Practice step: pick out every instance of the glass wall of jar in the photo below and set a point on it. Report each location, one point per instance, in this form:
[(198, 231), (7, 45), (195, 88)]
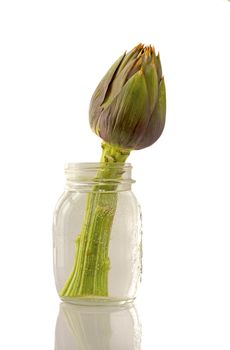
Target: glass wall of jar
[(97, 235)]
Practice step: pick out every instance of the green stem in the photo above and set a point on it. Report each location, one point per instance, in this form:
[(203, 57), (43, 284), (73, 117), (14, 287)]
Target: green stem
[(89, 276)]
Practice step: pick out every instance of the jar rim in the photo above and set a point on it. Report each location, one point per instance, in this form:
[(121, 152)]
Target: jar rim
[(96, 165), (86, 175)]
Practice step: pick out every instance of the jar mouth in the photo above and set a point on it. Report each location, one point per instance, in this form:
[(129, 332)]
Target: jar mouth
[(96, 166), (109, 175)]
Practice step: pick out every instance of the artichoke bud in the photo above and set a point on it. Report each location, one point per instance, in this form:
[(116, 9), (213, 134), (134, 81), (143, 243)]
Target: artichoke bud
[(128, 107)]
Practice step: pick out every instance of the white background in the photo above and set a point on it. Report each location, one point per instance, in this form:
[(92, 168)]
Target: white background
[(52, 55)]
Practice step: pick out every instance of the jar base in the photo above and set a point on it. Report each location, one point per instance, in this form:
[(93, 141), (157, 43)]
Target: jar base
[(97, 301)]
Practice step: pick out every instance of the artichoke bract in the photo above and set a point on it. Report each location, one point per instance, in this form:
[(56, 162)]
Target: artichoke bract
[(128, 107)]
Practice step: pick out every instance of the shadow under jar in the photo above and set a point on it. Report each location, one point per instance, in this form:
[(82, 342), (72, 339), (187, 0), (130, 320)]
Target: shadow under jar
[(97, 237)]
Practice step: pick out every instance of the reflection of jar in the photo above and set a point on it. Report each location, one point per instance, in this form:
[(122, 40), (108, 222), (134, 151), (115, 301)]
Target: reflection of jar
[(97, 328), (97, 235)]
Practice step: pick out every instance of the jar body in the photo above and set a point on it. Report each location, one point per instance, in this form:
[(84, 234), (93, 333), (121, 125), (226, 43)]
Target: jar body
[(124, 245)]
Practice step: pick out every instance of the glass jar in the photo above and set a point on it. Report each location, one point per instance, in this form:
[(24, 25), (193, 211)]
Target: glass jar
[(97, 243)]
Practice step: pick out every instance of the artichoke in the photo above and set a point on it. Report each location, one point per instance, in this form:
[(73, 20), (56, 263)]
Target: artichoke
[(128, 107), (127, 111)]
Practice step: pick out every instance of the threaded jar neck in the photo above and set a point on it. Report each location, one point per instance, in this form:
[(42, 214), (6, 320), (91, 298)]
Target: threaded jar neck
[(107, 177)]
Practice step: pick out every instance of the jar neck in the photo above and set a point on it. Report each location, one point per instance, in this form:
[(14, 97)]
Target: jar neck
[(107, 177)]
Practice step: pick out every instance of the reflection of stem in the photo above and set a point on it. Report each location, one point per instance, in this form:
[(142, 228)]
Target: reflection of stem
[(89, 276), (91, 330)]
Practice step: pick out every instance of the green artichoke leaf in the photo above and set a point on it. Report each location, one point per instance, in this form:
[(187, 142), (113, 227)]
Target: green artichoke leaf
[(125, 117), (158, 65), (151, 78), (157, 121), (131, 55), (100, 92), (119, 81)]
